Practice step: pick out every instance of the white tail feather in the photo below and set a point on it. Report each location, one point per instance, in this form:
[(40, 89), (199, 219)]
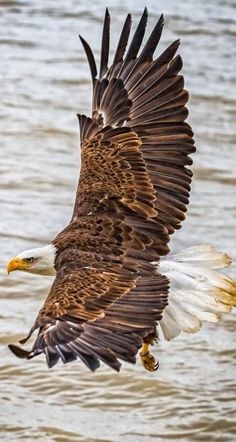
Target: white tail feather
[(197, 291)]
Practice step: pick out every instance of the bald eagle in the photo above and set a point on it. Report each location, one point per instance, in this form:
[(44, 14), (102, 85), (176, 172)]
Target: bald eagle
[(113, 292)]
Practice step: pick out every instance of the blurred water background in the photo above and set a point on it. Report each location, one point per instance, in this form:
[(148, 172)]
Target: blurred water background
[(44, 81)]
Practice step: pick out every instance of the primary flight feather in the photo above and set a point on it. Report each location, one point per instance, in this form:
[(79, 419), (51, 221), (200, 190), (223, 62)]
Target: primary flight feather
[(112, 293)]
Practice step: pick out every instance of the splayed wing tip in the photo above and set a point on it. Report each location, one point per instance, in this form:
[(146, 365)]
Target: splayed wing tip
[(18, 351)]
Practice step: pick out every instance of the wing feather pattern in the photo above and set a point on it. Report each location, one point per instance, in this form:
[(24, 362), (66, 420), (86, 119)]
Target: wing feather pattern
[(148, 96), (132, 195)]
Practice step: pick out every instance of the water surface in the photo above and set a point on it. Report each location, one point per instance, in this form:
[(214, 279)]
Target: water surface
[(44, 81)]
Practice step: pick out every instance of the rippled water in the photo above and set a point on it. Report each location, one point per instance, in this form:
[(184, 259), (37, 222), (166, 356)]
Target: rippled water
[(44, 82)]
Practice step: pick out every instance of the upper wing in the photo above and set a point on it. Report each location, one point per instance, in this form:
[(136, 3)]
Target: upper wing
[(92, 326), (144, 99)]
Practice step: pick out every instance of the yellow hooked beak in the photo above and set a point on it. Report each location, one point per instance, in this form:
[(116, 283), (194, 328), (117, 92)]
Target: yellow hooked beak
[(17, 264)]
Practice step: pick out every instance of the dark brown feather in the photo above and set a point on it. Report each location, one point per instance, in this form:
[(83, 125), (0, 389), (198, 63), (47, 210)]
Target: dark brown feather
[(105, 45), (90, 57), (121, 47)]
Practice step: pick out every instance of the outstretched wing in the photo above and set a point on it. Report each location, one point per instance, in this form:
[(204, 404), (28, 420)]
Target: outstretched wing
[(102, 303), (139, 166)]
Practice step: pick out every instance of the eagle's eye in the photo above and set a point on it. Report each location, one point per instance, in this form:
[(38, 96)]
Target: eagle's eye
[(29, 260)]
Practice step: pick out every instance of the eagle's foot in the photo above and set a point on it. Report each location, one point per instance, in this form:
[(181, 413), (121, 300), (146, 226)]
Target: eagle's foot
[(148, 360)]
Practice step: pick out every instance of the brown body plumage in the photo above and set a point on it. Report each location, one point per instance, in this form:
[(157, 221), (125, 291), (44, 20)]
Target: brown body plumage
[(132, 194)]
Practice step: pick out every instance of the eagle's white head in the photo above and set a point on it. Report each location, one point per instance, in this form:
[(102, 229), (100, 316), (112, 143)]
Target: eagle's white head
[(39, 261)]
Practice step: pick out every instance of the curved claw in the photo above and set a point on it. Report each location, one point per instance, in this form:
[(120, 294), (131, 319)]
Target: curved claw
[(149, 362)]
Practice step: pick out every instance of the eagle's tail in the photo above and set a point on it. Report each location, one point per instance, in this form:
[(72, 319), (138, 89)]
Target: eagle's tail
[(197, 291)]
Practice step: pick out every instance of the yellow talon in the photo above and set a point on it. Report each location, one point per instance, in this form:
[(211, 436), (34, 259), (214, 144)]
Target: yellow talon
[(148, 361)]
